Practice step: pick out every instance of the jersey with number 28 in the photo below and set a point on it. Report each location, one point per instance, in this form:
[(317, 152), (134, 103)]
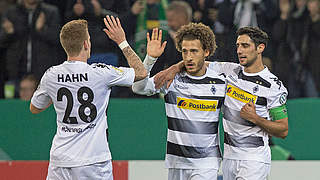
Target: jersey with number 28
[(80, 95)]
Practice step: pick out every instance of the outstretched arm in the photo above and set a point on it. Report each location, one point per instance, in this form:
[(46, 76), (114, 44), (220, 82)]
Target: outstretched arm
[(166, 76), (154, 49), (116, 33)]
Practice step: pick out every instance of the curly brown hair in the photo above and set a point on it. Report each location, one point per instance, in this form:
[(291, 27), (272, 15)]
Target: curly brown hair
[(193, 31)]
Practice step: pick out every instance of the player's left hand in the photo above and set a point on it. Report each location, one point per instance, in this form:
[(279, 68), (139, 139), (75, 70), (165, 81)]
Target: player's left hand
[(114, 29), (248, 112), (154, 46)]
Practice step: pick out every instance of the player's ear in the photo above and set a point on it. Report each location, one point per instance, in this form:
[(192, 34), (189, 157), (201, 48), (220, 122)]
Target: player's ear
[(85, 44), (206, 52), (260, 48)]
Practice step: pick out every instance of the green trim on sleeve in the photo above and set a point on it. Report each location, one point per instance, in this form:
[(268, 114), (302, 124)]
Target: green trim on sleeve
[(279, 112)]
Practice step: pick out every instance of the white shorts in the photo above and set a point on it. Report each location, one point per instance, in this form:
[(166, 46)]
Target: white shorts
[(102, 170), (244, 170), (192, 174)]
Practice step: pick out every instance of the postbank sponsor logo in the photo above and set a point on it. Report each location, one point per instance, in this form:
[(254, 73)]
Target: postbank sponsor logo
[(240, 95), (198, 105)]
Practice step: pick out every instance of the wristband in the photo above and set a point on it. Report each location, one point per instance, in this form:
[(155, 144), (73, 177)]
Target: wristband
[(123, 45), (150, 60)]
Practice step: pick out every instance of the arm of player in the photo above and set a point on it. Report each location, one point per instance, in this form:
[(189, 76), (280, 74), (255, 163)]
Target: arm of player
[(116, 33), (35, 110), (145, 86), (166, 76), (278, 127), (154, 50)]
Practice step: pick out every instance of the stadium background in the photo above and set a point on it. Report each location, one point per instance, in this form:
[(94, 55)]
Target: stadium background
[(137, 134)]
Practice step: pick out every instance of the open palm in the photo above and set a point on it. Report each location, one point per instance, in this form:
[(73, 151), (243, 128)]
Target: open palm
[(154, 46), (114, 29)]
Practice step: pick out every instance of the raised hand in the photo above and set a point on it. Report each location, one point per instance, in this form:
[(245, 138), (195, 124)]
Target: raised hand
[(8, 26), (154, 46), (114, 29)]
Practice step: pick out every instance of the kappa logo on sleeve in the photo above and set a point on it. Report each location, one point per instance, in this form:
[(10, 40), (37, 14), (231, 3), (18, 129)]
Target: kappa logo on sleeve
[(240, 94), (197, 105)]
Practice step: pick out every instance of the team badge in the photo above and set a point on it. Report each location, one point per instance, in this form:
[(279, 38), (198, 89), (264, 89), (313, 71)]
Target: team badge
[(256, 89), (213, 89), (283, 98)]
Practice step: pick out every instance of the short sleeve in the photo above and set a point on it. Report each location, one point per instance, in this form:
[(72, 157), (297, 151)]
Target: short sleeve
[(278, 96), (114, 76), (124, 76), (41, 98)]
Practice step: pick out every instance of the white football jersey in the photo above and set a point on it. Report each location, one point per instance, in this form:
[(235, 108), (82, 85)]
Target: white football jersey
[(192, 108), (80, 95), (244, 140)]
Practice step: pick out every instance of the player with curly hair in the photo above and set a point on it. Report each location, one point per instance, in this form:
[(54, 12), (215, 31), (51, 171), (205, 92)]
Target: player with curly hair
[(254, 107), (192, 105)]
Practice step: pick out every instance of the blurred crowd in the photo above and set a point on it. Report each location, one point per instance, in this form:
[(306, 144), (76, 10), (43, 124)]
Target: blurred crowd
[(29, 36)]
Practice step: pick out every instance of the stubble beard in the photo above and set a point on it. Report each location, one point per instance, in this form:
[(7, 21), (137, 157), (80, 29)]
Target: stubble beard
[(250, 62)]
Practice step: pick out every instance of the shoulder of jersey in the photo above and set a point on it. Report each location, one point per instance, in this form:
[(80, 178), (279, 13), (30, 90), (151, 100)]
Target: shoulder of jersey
[(229, 64), (276, 83), (223, 66), (277, 88), (52, 69), (101, 65)]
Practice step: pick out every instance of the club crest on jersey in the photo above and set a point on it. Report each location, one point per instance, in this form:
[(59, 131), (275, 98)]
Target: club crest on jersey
[(213, 89), (197, 105), (240, 94), (256, 89)]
